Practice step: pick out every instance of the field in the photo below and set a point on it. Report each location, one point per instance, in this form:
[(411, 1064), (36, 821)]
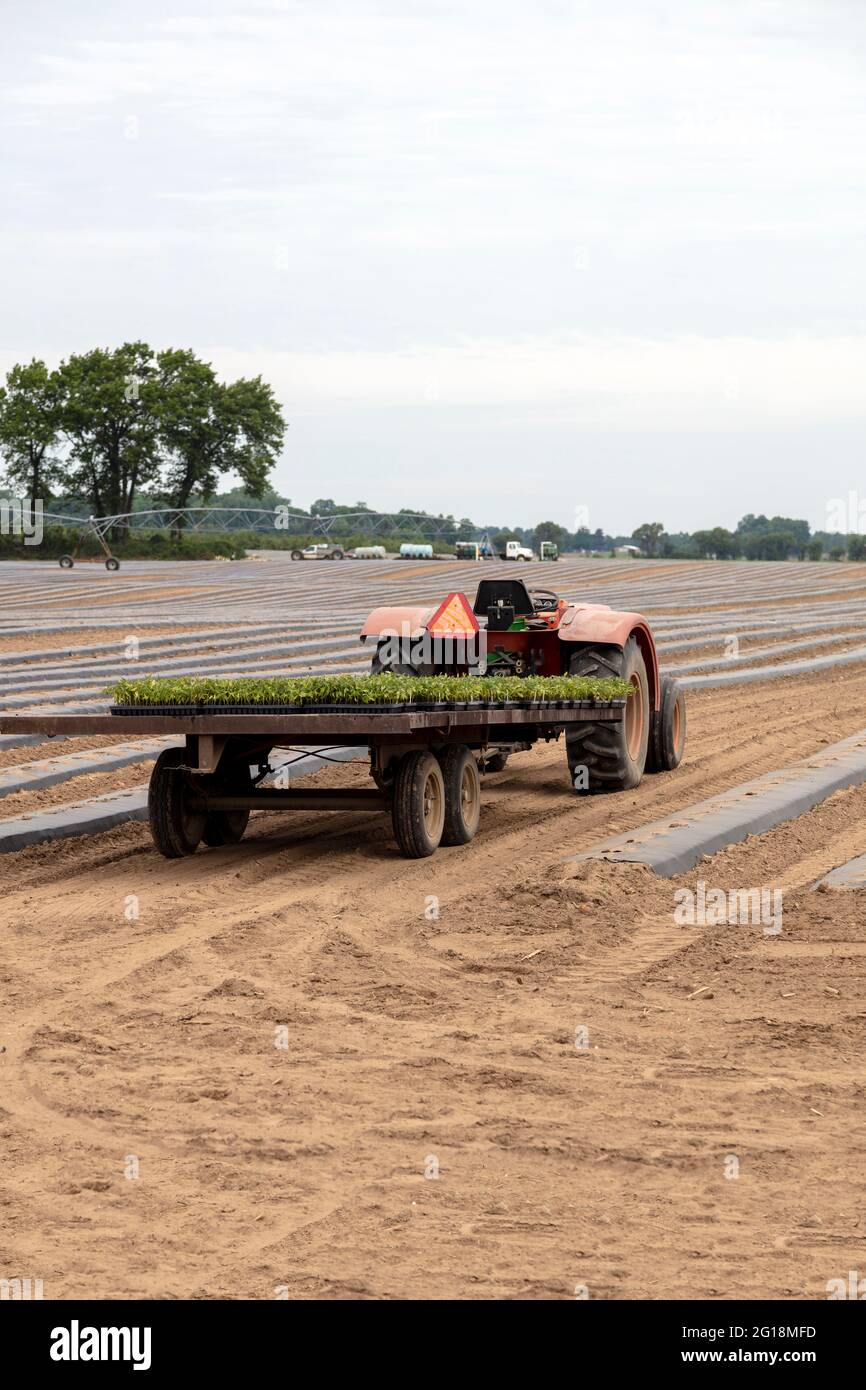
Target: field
[(303, 1065)]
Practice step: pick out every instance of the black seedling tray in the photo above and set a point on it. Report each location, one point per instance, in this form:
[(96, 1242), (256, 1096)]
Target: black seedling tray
[(381, 707), (193, 711)]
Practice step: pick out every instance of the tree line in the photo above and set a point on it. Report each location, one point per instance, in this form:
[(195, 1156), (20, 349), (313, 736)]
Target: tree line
[(755, 538)]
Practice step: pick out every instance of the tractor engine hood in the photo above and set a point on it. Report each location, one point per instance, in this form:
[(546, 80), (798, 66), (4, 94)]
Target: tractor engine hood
[(397, 622), (596, 623)]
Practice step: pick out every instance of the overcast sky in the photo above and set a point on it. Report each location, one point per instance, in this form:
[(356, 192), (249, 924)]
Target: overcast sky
[(505, 259)]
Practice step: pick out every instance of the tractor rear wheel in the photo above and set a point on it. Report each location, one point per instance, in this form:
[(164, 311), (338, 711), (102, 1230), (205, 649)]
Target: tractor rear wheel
[(418, 804), (613, 755), (175, 827), (378, 667), (227, 827), (462, 794), (668, 732)]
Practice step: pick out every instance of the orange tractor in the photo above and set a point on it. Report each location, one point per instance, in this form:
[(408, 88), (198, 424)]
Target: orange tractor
[(533, 632)]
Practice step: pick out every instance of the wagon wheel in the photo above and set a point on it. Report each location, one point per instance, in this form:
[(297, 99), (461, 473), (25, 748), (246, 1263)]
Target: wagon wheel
[(176, 828), (418, 804), (227, 827), (462, 794)]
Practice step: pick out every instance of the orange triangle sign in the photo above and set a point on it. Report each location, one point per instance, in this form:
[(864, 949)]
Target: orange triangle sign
[(453, 615)]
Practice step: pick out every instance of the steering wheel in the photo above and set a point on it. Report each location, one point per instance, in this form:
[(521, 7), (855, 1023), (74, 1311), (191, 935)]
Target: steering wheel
[(548, 603)]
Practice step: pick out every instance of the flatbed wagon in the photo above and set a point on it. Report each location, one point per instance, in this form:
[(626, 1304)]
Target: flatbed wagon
[(426, 765)]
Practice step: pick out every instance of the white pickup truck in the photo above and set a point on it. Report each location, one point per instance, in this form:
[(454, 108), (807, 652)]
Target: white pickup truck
[(515, 551), (321, 551)]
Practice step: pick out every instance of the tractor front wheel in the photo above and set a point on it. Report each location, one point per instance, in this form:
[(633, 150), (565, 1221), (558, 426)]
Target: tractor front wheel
[(668, 733), (611, 757), (378, 667)]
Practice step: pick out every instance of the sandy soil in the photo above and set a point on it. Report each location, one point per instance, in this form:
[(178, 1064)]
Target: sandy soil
[(77, 789), (674, 662), (143, 999), (140, 583), (50, 748), (764, 604), (97, 638)]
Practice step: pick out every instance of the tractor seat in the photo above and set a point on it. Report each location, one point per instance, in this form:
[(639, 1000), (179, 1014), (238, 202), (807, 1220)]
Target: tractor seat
[(509, 593)]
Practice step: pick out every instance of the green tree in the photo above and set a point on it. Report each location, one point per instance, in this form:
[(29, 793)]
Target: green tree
[(717, 543), (857, 547), (795, 527), (678, 545), (239, 497), (550, 531), (326, 506), (751, 525), (774, 545), (110, 420), (815, 549), (208, 428), (30, 421), (648, 535)]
